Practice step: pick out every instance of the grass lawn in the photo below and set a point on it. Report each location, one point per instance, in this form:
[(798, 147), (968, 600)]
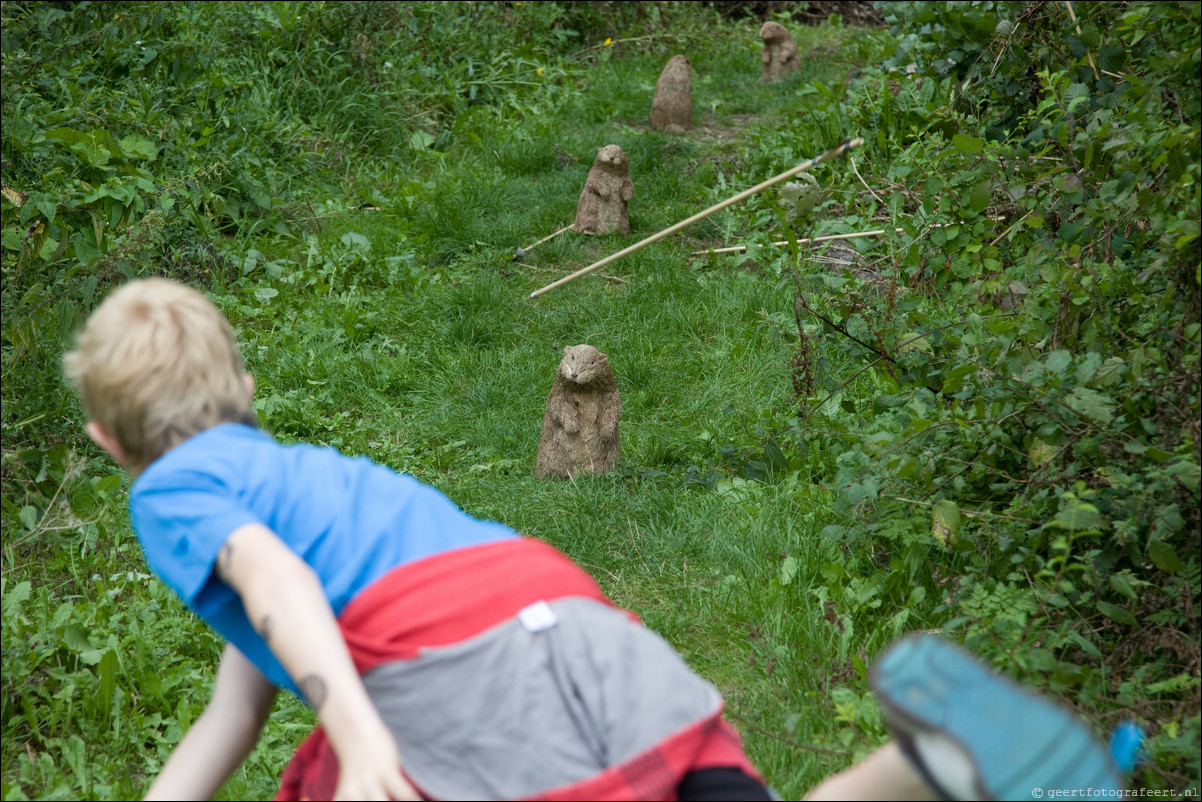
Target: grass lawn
[(357, 218)]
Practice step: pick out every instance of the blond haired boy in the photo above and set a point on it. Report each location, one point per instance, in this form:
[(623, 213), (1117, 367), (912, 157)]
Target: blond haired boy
[(156, 365), (497, 665)]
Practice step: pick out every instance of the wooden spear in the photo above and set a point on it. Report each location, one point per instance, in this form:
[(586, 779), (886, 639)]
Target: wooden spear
[(801, 168), (804, 241), (520, 252), (826, 238)]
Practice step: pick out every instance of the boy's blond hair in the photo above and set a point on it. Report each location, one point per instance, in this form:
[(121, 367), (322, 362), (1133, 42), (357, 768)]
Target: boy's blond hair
[(156, 364)]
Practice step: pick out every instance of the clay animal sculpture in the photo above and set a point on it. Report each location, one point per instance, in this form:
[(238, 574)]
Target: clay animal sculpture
[(608, 188), (580, 428), (672, 109), (780, 52)]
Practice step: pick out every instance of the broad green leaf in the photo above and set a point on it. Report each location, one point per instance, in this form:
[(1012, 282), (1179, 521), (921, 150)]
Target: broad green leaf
[(1079, 516), (47, 207), (64, 611), (14, 598), (1040, 453), (1090, 35), (77, 639), (30, 515), (1157, 454), (1120, 584), (915, 342), (1164, 556), (97, 155), (980, 196), (1116, 613), (1058, 361), (945, 522), (776, 457), (420, 140), (13, 240), (1112, 57), (1087, 367), (1092, 404), (69, 317), (353, 239), (1109, 373), (1188, 473), (967, 144), (788, 570), (730, 486), (68, 136), (954, 381), (136, 146)]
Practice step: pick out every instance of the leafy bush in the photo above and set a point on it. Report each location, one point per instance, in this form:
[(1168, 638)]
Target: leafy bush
[(1034, 435)]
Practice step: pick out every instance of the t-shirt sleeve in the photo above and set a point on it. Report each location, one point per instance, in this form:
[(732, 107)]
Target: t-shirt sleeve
[(182, 520)]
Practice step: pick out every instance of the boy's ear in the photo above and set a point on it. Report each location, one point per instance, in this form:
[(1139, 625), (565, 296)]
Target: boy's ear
[(249, 381), (101, 437)]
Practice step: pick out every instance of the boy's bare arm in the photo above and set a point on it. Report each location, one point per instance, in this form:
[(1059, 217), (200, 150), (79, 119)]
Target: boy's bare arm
[(286, 604), (222, 737)]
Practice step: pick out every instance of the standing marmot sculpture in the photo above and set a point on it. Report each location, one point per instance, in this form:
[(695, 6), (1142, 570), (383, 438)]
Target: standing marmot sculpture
[(780, 52), (607, 190), (672, 109), (580, 428)]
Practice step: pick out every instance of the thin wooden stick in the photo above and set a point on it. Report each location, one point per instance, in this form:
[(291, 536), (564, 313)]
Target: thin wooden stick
[(804, 241), (808, 241), (523, 251), (865, 183), (1073, 18), (801, 168)]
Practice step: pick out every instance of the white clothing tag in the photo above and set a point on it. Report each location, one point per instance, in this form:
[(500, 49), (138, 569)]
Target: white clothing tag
[(537, 617)]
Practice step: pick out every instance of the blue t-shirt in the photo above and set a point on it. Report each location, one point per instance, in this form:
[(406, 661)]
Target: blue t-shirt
[(350, 519)]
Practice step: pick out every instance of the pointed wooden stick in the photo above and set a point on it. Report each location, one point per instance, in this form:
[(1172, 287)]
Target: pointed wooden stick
[(523, 251), (801, 168), (804, 241), (825, 238)]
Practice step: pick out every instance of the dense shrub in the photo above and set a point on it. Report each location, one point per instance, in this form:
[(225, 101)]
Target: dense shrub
[(1033, 437)]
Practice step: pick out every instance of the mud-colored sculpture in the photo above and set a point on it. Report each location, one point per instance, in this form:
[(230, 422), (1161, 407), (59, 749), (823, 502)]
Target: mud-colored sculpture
[(780, 52), (672, 109), (607, 190), (580, 428)]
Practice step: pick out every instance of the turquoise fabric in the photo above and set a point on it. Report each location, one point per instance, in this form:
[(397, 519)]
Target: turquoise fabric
[(1020, 746)]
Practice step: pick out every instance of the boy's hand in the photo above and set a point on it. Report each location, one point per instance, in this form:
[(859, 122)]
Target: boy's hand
[(373, 772)]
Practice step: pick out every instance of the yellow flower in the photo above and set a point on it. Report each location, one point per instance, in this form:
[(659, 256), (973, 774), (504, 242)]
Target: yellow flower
[(608, 42), (540, 70)]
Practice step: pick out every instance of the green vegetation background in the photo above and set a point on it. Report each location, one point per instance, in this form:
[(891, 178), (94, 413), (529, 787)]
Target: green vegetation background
[(983, 421)]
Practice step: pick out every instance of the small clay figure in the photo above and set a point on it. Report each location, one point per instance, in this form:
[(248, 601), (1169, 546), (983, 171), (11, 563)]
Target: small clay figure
[(672, 109), (580, 428), (607, 190), (780, 52)]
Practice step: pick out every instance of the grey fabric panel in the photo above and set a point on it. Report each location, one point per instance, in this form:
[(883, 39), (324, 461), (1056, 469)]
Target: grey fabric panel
[(511, 713)]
